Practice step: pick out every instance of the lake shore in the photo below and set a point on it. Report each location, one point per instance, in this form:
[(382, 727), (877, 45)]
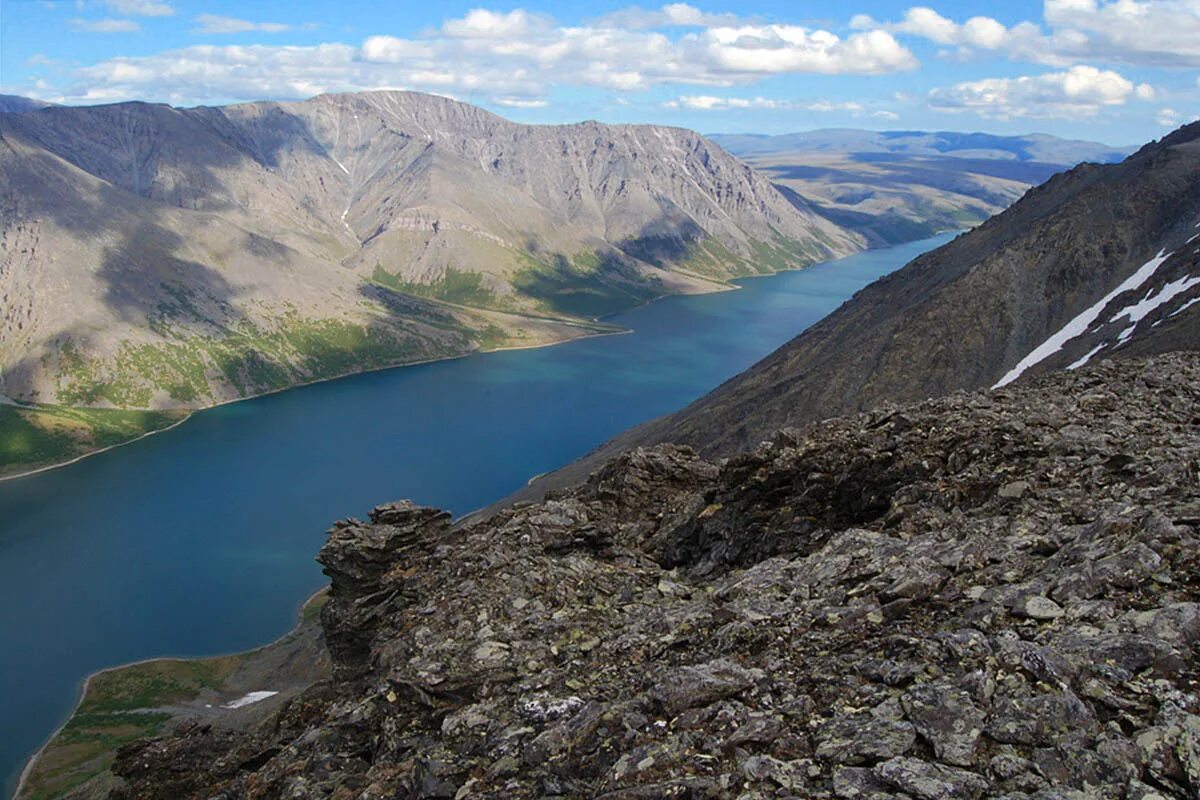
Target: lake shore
[(189, 413), (288, 665)]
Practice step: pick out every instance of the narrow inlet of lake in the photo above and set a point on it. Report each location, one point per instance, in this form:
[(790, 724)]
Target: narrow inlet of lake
[(201, 540)]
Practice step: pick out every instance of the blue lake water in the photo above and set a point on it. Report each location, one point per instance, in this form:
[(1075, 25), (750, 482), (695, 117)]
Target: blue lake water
[(201, 540)]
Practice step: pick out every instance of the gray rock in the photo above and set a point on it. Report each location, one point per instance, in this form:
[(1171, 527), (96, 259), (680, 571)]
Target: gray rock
[(931, 781), (948, 719), (863, 737)]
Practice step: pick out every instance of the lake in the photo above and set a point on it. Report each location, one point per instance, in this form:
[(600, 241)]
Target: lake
[(200, 540)]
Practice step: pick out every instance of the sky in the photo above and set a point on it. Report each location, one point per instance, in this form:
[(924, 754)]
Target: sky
[(1117, 71)]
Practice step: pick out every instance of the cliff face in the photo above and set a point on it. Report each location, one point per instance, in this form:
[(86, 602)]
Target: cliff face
[(209, 253), (980, 595)]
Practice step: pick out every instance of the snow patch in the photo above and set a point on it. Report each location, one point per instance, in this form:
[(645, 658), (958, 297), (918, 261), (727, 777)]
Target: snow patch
[(250, 699), (1082, 322), (1185, 307), (1141, 309), (1080, 362)]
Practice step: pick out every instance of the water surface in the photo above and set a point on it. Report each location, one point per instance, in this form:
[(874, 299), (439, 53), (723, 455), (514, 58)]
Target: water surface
[(200, 540)]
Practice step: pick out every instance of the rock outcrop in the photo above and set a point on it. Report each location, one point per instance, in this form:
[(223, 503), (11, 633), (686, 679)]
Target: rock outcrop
[(983, 595)]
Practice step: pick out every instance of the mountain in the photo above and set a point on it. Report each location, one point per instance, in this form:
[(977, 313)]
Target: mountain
[(158, 258), (978, 596), (11, 103), (896, 186), (1099, 262), (1036, 147)]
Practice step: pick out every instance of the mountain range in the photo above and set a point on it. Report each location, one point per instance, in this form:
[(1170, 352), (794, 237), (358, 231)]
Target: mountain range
[(165, 258), (211, 253), (159, 259)]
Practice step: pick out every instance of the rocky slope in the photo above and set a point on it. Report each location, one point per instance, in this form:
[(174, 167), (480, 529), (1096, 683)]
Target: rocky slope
[(1102, 259), (983, 595), (160, 257)]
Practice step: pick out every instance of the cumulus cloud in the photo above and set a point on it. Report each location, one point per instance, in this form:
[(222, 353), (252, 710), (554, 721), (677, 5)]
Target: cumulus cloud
[(105, 25), (1080, 91), (767, 49), (214, 23), (511, 54), (1138, 32)]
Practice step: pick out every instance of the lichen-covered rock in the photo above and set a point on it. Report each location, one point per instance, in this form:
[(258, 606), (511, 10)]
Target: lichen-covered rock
[(854, 610)]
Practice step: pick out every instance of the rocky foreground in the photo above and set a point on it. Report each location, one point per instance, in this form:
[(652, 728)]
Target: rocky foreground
[(984, 595)]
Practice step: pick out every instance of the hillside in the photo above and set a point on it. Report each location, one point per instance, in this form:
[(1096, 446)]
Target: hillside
[(1098, 262), (164, 258), (894, 186), (984, 595)]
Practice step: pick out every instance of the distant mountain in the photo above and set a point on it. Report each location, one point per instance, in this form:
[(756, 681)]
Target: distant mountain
[(160, 257), (11, 103), (1036, 147), (896, 186), (1100, 262)]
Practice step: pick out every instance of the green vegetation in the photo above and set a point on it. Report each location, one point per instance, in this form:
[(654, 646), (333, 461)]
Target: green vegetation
[(249, 358), (456, 286), (34, 436), (120, 706), (587, 285), (784, 254), (312, 608)]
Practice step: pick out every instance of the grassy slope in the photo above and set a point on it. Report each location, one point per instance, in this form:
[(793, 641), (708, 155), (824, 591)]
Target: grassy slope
[(34, 436), (130, 703), (253, 360)]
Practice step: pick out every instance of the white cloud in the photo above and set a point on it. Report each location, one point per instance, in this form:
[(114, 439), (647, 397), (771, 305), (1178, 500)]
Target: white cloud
[(480, 23), (513, 54), (1139, 32), (214, 23), (769, 49), (141, 8), (706, 102), (1168, 117), (672, 15), (1172, 118), (890, 116), (520, 102), (105, 25), (1081, 91)]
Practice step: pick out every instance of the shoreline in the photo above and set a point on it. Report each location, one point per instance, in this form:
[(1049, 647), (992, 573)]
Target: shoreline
[(31, 762), (616, 330), (189, 413)]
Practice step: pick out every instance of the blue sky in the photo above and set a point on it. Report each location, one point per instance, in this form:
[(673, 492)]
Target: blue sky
[(1121, 71)]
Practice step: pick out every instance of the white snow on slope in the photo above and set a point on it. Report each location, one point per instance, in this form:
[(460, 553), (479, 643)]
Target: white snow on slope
[(1079, 363), (1185, 306), (253, 697), (1082, 322), (1141, 309)]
